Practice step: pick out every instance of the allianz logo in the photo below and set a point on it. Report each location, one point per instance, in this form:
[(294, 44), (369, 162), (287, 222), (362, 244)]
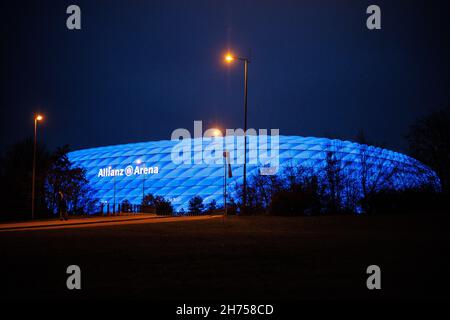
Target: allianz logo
[(128, 171)]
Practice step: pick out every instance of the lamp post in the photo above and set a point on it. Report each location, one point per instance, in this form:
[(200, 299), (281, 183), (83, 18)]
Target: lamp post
[(230, 58), (37, 117), (139, 162), (143, 186), (226, 171), (114, 202), (225, 182)]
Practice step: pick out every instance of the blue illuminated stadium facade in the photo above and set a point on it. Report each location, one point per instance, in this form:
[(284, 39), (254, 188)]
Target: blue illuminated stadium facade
[(126, 172)]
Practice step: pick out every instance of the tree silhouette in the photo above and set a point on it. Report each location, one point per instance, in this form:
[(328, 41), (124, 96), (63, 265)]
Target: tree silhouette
[(71, 181), (196, 205), (157, 203), (16, 178), (429, 142)]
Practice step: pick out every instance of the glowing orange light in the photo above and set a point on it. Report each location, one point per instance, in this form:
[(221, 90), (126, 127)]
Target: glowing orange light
[(213, 132), (39, 117), (229, 57)]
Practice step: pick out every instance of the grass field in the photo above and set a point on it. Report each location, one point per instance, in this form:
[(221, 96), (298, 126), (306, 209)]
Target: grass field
[(237, 258)]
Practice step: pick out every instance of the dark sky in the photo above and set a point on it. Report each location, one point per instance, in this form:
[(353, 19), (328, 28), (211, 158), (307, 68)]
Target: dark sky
[(139, 69)]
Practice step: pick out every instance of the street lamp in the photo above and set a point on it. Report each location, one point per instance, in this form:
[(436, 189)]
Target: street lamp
[(229, 58), (139, 162), (37, 117)]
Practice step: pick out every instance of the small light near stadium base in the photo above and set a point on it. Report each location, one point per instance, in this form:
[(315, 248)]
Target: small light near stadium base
[(138, 161), (216, 132)]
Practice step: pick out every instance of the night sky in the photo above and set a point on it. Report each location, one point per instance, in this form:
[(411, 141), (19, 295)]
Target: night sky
[(140, 69)]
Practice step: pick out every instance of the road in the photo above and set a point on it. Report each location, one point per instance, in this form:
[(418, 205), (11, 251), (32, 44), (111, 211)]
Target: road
[(244, 258), (92, 222)]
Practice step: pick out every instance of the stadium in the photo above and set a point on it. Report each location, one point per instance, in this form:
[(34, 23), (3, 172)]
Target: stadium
[(130, 171)]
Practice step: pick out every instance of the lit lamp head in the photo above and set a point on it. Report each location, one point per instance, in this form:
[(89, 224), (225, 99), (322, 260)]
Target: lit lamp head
[(229, 58), (39, 117)]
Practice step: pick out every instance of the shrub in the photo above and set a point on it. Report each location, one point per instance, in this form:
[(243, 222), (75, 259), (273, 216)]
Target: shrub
[(196, 205), (156, 204)]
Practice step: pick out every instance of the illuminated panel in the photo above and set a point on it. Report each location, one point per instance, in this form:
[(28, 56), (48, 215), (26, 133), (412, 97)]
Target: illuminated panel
[(127, 170)]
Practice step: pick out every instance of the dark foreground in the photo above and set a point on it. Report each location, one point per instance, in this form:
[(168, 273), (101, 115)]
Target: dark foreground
[(251, 258)]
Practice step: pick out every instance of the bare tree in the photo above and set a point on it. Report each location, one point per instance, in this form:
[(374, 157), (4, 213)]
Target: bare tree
[(429, 142), (62, 176), (333, 177), (376, 173)]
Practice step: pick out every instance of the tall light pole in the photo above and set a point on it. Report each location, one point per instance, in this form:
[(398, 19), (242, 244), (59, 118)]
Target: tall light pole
[(230, 58), (37, 117)]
